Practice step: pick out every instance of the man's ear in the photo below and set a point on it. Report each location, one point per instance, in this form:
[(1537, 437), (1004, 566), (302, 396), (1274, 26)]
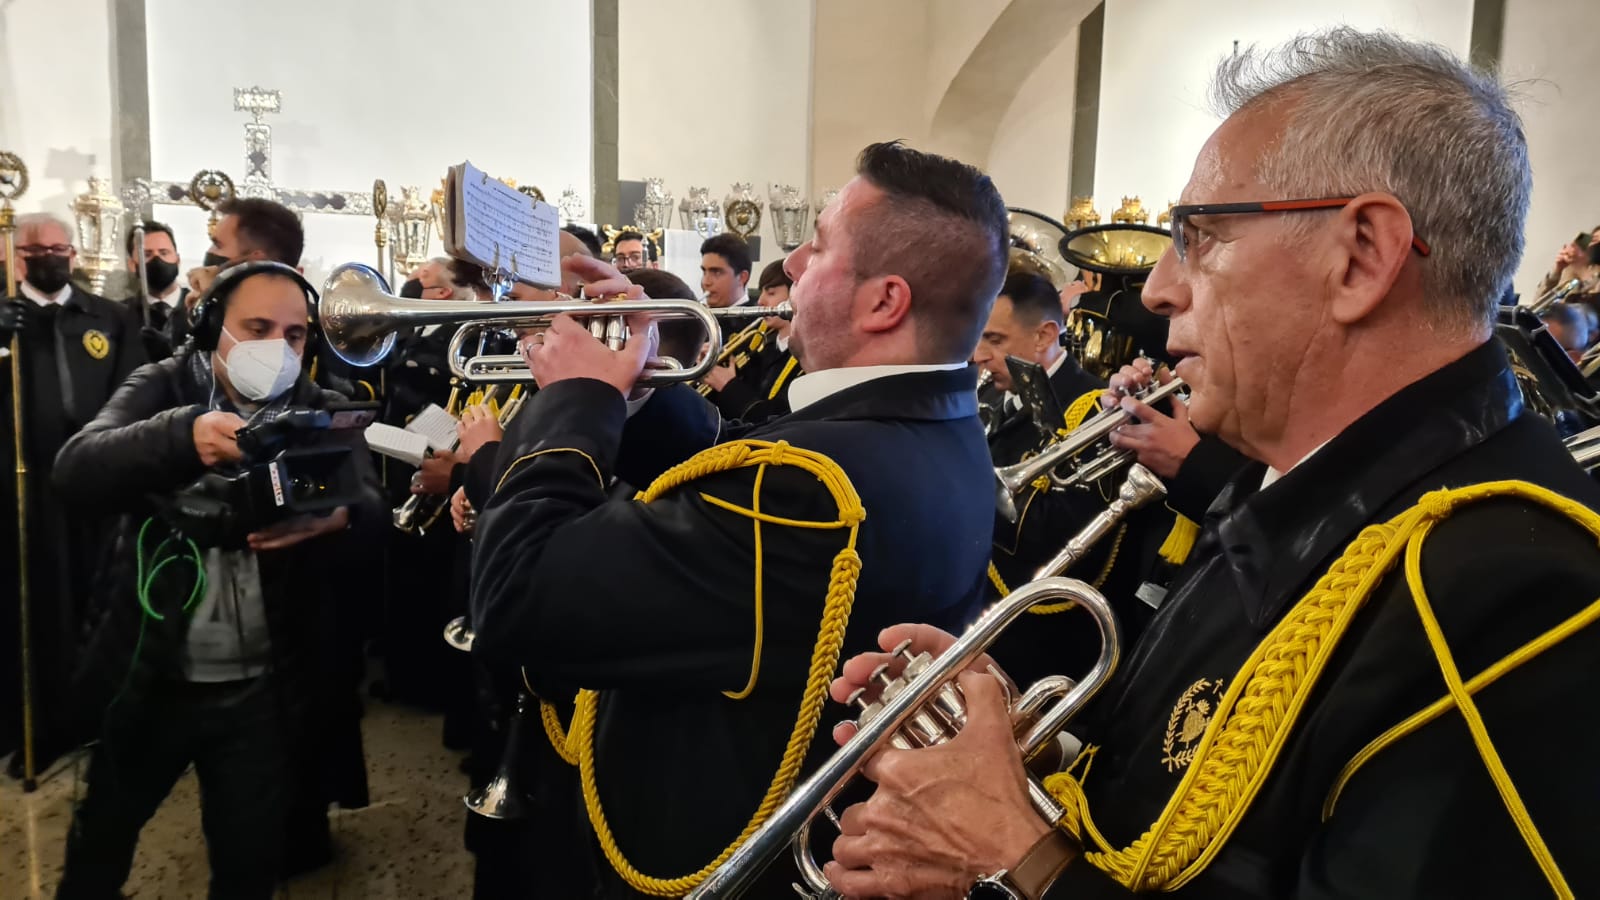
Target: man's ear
[(1372, 243), (1048, 335), (888, 303)]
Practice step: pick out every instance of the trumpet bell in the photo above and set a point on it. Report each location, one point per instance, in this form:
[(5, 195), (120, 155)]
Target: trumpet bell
[(354, 314), (459, 634), (504, 796), (499, 799)]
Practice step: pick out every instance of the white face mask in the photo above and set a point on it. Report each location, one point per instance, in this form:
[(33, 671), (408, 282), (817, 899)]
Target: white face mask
[(261, 370)]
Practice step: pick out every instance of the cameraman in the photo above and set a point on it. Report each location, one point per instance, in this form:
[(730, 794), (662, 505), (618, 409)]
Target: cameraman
[(206, 655)]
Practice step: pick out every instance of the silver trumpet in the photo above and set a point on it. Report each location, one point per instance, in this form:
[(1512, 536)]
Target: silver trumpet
[(1554, 295), (1012, 480), (1585, 448), (362, 319), (923, 706)]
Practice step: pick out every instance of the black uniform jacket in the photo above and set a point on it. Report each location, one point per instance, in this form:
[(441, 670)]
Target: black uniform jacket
[(653, 603), (141, 445), (750, 396), (1422, 818), (169, 324)]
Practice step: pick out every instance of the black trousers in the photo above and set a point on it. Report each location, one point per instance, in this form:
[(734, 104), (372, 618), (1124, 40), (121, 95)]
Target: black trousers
[(235, 735)]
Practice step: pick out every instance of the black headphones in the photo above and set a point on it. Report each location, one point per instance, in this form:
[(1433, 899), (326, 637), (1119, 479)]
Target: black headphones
[(205, 320)]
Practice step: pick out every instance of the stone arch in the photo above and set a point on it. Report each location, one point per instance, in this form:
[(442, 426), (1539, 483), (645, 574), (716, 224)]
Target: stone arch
[(972, 106)]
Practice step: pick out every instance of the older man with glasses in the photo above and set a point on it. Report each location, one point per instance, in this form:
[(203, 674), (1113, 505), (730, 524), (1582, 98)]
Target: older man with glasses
[(74, 350), (1372, 678)]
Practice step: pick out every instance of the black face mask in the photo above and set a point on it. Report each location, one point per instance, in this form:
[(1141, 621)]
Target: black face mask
[(214, 260), (411, 290), (49, 274), (161, 274), (1594, 254)]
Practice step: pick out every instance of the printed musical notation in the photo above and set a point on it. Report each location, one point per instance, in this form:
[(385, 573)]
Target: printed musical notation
[(501, 228)]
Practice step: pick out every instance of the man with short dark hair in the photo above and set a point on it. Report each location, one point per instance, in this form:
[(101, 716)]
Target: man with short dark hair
[(753, 384), (250, 228), (255, 228), (164, 293), (631, 251), (708, 610), (1025, 324), (725, 270)]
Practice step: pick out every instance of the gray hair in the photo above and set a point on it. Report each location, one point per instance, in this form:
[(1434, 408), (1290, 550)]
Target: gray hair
[(1373, 111), (34, 221)]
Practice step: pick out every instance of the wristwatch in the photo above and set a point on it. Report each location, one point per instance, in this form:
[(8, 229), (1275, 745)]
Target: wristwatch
[(1028, 879)]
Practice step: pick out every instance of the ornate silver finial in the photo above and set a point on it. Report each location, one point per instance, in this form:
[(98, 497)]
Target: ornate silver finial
[(790, 216), (571, 206), (257, 101)]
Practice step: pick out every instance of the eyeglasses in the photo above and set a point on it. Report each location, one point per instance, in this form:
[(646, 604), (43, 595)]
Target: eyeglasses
[(632, 259), (1181, 214), (45, 249)]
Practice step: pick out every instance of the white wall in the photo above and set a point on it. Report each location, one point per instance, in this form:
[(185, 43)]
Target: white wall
[(396, 91), (715, 91), (1549, 46), (869, 83), (1031, 158), (55, 96), (1159, 56)]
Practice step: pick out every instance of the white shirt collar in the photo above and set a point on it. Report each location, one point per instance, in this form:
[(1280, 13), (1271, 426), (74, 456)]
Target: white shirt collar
[(783, 343), (814, 386), (43, 299), (1272, 476), (1061, 359)]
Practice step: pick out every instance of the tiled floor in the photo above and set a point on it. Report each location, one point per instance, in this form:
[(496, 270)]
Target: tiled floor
[(407, 844)]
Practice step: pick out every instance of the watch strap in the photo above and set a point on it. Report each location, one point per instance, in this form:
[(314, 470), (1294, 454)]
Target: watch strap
[(1042, 863)]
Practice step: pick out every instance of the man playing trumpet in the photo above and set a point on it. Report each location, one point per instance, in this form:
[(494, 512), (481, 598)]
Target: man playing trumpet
[(1372, 677), (710, 612)]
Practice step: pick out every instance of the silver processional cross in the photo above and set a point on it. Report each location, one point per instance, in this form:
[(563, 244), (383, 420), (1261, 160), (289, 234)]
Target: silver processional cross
[(210, 186)]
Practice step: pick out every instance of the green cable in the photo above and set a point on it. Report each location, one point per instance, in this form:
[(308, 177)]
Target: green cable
[(143, 581)]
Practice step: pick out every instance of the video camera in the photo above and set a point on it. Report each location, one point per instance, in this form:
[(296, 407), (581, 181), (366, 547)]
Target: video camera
[(296, 462)]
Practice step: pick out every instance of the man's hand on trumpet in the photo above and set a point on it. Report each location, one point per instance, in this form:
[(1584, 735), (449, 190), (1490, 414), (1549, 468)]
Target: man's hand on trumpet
[(567, 350), (478, 426), (718, 377), (1161, 441), (943, 817)]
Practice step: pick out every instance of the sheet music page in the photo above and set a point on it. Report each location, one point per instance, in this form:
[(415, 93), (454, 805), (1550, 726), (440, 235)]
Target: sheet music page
[(438, 426), (397, 443), (505, 228)]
